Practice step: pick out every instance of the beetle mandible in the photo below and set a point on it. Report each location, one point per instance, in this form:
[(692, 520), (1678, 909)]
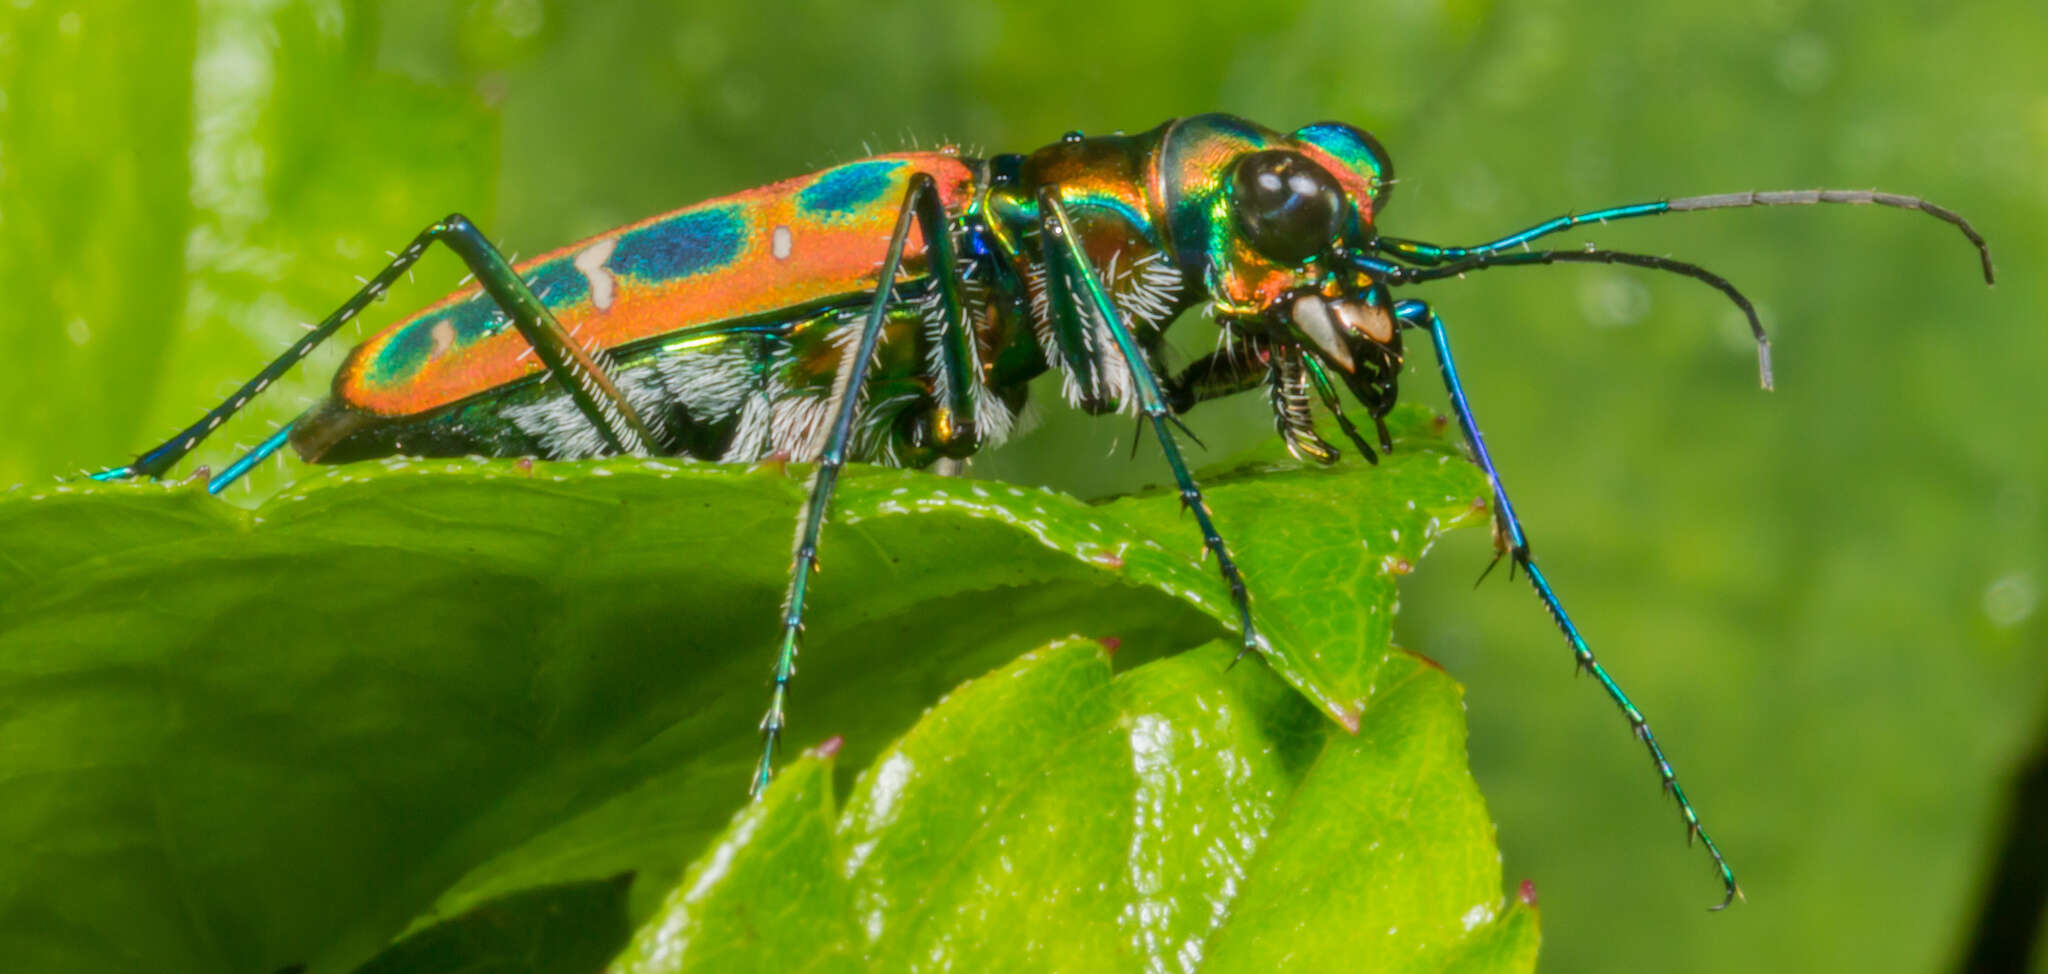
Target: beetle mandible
[(804, 320)]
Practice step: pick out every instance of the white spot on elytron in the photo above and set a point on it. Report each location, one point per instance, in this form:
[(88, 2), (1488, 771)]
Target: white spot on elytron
[(443, 336), (591, 262), (782, 243)]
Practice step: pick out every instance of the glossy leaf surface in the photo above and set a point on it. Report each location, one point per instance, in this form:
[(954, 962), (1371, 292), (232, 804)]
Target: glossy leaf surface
[(393, 695), (1177, 817)]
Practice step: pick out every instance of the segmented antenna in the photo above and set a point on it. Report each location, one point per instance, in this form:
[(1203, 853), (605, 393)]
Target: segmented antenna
[(1594, 255), (1854, 197)]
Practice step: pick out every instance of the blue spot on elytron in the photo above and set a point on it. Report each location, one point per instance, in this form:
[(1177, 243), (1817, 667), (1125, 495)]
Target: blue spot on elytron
[(843, 191), (409, 351), (680, 246), (558, 284)]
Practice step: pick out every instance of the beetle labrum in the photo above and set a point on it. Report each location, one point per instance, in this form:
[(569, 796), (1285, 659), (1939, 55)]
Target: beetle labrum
[(805, 320)]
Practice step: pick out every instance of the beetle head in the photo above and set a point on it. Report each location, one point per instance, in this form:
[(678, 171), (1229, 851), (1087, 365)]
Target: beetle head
[(1269, 221)]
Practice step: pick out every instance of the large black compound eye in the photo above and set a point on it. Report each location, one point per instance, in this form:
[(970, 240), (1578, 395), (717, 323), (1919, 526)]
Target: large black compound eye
[(1287, 206)]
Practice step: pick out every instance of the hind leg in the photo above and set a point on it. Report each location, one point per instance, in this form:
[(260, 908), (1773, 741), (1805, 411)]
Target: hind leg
[(584, 372)]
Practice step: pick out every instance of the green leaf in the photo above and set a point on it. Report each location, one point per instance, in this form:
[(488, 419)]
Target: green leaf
[(1177, 817), (184, 181), (550, 928), (396, 693)]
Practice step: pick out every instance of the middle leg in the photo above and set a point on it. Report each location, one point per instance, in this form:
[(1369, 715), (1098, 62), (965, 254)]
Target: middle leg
[(1065, 260), (954, 412)]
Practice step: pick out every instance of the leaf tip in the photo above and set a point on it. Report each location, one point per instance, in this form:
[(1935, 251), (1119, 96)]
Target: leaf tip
[(828, 748), (1527, 892)]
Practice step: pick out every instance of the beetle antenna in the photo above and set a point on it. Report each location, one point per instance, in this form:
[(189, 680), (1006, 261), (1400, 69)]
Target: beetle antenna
[(1594, 255), (1431, 255), (1810, 197)]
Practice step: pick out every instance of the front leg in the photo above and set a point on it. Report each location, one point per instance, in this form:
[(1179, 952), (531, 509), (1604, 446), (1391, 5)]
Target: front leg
[(1243, 363), (1415, 314), (1239, 365)]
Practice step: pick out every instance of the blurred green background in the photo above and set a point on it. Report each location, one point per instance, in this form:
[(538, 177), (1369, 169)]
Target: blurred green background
[(1827, 598)]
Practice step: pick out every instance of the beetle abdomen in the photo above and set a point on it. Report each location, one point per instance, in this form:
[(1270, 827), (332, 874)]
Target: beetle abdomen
[(734, 394), (771, 253)]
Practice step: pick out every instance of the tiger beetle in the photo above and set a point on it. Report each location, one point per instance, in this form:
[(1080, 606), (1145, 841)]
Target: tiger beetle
[(805, 320)]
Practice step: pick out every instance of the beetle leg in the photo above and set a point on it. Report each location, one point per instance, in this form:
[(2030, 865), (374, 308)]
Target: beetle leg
[(242, 464), (1063, 257), (1243, 364), (1416, 314), (951, 428), (1327, 392), (583, 372), (846, 389), (1287, 390), (1071, 333), (1237, 365)]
